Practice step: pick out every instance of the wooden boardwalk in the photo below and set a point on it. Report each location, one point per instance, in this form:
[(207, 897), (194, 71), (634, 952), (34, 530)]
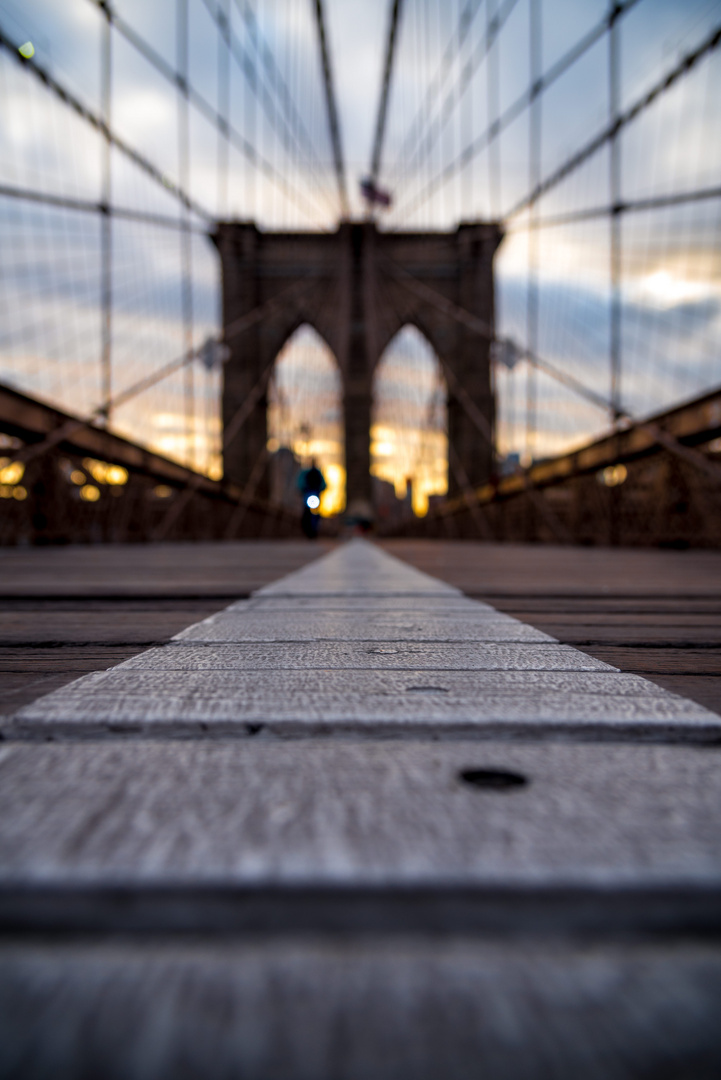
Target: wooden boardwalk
[(650, 612), (67, 611), (359, 824)]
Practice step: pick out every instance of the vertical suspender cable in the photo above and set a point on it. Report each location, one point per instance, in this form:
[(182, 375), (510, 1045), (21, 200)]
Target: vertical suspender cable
[(186, 286), (616, 224), (616, 214), (494, 107), (333, 121), (223, 105), (106, 225), (534, 158)]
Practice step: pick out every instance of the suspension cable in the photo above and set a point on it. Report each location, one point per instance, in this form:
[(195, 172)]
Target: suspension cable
[(204, 107), (434, 129), (416, 128), (482, 329), (99, 125), (277, 81), (572, 163), (514, 110), (285, 132), (626, 206), (333, 121), (67, 202), (385, 91)]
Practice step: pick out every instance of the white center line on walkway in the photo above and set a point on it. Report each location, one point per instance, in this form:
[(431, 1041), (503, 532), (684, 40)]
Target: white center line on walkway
[(360, 643)]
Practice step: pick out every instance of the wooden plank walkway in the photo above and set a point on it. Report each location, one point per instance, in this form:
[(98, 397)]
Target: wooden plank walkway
[(65, 611), (360, 825), (652, 613)]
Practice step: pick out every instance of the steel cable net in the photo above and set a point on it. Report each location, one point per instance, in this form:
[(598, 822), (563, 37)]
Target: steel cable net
[(126, 131), (590, 131)]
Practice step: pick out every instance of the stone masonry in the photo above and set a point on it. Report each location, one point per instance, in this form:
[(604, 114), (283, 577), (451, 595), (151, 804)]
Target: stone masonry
[(357, 302)]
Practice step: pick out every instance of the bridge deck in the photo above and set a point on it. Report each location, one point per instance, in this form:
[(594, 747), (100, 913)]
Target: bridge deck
[(67, 611), (361, 825), (654, 613)]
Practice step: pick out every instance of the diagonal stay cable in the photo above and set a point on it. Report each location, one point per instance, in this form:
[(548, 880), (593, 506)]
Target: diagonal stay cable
[(278, 120), (67, 202), (250, 152), (685, 65), (276, 78), (483, 329), (468, 494), (232, 330), (98, 123), (435, 128), (626, 206), (514, 110)]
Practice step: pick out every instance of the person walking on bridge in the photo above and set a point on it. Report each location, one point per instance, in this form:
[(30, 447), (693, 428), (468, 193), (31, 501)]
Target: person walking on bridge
[(311, 483)]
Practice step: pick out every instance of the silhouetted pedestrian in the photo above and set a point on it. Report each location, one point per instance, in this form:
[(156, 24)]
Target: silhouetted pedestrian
[(311, 483)]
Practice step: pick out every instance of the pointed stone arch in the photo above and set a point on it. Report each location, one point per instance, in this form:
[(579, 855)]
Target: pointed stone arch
[(409, 438), (360, 294), (305, 414)]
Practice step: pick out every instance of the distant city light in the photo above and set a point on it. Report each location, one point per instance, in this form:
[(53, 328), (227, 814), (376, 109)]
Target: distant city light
[(27, 51), (613, 475), (89, 493), (313, 502), (10, 491), (116, 474), (12, 472), (102, 473)]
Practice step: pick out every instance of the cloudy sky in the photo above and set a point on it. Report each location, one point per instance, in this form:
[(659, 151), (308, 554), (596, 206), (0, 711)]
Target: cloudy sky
[(277, 169)]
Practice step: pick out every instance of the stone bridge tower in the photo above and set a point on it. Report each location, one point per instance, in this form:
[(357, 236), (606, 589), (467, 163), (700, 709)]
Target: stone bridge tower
[(350, 287)]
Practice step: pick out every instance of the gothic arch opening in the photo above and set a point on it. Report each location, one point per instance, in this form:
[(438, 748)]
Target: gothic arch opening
[(305, 419), (409, 429)]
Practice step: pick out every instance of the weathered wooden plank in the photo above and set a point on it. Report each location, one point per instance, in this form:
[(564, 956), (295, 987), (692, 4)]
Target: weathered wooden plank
[(338, 839), (177, 691), (358, 569), (312, 655), (613, 622), (648, 635), (376, 702), (417, 625), (529, 582), (528, 570), (381, 603), (111, 625), (541, 584), (301, 1010), (185, 813), (704, 689), (152, 570), (58, 660)]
